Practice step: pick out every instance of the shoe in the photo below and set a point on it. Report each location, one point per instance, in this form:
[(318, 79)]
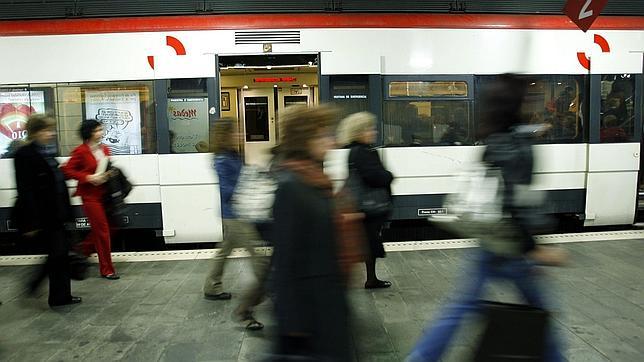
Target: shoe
[(112, 276), (71, 300), (248, 321), (377, 284), (218, 296)]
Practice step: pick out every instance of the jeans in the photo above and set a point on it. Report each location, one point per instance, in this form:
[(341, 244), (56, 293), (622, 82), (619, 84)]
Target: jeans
[(520, 271)]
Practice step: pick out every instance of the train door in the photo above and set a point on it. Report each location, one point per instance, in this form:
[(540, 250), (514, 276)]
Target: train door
[(259, 124), (614, 151), (255, 88)]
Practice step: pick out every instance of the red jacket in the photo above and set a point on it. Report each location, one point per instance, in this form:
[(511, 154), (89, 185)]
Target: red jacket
[(82, 164)]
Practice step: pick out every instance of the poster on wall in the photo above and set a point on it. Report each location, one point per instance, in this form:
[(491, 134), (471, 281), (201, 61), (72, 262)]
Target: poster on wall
[(120, 113), (188, 118), (15, 108)]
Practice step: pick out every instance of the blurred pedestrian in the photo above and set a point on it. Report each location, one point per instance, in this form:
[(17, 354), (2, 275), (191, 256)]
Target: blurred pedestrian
[(237, 232), (88, 165), (358, 133), (310, 301), (42, 207), (509, 258)]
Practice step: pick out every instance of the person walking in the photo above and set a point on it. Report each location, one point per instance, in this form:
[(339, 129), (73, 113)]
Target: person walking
[(237, 233), (42, 207), (310, 302), (88, 165), (508, 252)]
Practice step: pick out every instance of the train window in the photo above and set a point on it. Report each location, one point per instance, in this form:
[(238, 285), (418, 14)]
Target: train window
[(188, 115), (350, 93), (423, 89), (126, 110), (16, 104), (617, 108), (427, 122), (555, 101)]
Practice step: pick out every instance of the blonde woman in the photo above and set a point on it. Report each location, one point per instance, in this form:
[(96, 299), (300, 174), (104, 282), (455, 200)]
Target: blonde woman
[(358, 133)]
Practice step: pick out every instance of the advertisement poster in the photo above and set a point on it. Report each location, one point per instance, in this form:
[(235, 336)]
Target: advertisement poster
[(15, 108), (188, 118), (120, 113)]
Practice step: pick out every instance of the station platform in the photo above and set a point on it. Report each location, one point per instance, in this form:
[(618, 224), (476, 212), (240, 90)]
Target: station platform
[(156, 311)]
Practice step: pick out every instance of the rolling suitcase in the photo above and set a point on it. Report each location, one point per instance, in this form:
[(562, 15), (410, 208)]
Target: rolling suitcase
[(513, 332)]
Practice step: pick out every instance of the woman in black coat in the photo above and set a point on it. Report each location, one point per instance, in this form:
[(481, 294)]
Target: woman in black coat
[(42, 207), (310, 304), (358, 132)]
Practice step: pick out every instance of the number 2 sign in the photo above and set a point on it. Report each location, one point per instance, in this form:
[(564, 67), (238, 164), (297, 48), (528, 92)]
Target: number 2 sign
[(584, 12)]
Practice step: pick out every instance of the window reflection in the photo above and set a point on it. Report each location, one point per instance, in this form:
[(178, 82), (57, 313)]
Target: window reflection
[(555, 101), (424, 123), (617, 108)]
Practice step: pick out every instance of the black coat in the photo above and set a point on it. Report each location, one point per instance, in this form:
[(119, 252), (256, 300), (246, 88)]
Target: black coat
[(366, 161), (310, 297), (43, 199)]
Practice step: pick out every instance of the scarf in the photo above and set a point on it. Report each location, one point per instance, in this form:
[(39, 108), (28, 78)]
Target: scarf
[(350, 234)]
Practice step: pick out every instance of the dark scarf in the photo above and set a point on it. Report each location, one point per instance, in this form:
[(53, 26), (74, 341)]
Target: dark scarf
[(312, 174)]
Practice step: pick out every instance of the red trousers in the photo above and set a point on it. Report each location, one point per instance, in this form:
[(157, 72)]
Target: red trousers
[(99, 237)]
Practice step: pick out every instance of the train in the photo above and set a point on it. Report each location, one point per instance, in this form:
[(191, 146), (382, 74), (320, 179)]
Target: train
[(158, 84)]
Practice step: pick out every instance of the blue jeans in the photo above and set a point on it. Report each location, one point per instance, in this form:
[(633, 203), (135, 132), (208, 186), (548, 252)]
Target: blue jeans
[(520, 271)]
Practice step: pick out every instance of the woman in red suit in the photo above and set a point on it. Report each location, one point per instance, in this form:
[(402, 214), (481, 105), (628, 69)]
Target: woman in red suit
[(87, 165)]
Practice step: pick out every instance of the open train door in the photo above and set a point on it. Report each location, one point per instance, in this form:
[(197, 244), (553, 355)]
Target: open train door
[(256, 88)]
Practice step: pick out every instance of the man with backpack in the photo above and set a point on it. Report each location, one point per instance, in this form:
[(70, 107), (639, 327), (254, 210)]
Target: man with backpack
[(508, 250)]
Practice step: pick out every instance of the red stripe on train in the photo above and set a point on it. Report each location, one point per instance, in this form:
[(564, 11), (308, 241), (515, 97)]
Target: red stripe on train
[(303, 21)]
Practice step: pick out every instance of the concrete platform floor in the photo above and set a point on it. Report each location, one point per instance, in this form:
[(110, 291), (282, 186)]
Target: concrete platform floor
[(156, 312)]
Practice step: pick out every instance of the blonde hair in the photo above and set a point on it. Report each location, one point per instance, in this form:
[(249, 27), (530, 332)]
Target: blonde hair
[(353, 127), (301, 124)]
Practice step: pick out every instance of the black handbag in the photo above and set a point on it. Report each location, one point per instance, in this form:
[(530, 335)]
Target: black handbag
[(371, 201), (512, 332), (117, 188)]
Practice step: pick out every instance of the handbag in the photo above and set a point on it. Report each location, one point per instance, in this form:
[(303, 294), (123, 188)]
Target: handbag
[(254, 195), (371, 201), (117, 188), (476, 211), (512, 332)]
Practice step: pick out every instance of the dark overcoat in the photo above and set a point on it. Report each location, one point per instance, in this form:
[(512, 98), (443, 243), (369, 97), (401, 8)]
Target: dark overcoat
[(310, 296)]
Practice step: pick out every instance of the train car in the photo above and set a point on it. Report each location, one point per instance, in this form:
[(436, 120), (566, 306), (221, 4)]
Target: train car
[(159, 83)]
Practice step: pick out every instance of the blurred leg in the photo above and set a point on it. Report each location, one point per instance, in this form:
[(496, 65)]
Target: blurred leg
[(58, 268), (101, 234), (434, 341), (254, 294), (524, 275), (213, 284)]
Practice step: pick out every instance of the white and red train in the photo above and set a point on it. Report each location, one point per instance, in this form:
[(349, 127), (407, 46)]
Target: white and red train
[(420, 73)]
